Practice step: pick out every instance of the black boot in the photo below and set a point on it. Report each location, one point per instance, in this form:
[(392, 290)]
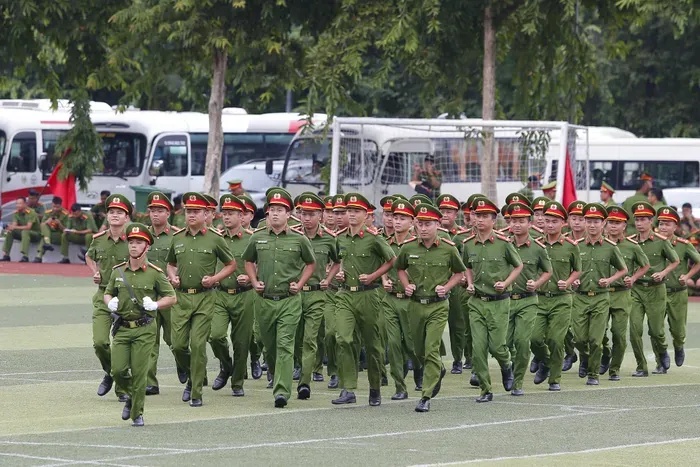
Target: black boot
[(187, 393), (126, 411), (583, 367), (296, 376), (333, 383), (679, 356), (303, 392), (375, 398), (665, 361), (569, 361), (542, 374), (534, 365), (456, 367), (604, 364), (474, 380), (181, 375)]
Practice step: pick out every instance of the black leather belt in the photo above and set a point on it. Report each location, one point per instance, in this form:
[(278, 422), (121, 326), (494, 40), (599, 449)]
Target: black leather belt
[(276, 298), (520, 296), (358, 288), (552, 294), (137, 322), (401, 295), (192, 291), (618, 289), (492, 298), (591, 293), (238, 290), (332, 287), (648, 284), (676, 289), (428, 300), (311, 288)]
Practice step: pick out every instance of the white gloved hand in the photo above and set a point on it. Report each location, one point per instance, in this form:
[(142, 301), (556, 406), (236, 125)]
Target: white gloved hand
[(149, 304), (113, 304)]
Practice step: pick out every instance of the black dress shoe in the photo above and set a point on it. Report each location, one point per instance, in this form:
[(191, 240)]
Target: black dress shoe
[(437, 387), (679, 356), (152, 390), (418, 378), (24, 259), (303, 392), (666, 361), (126, 411), (296, 376), (569, 361), (5, 259), (468, 365), (47, 247), (264, 366), (67, 261), (238, 392), (255, 369), (375, 398), (583, 368), (317, 377), (105, 385), (534, 365), (187, 393), (399, 396), (37, 260), (123, 398), (507, 377), (592, 382), (385, 381), (614, 377), (542, 374), (138, 421), (517, 392), (423, 405), (555, 387), (488, 397), (640, 374), (181, 375), (659, 371), (220, 380), (604, 364), (280, 401), (196, 403), (346, 397), (333, 383), (456, 367), (474, 380)]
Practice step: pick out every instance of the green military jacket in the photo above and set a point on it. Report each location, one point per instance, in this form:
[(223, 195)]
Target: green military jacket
[(158, 253), (177, 219), (39, 209), (25, 217), (362, 253), (535, 260), (393, 274), (107, 253), (280, 257), (325, 247), (197, 255), (218, 222), (536, 232), (634, 259), (686, 253), (52, 218), (460, 236), (609, 203), (491, 261), (83, 221), (147, 281), (599, 260), (659, 251), (565, 257), (237, 243), (99, 212), (428, 267)]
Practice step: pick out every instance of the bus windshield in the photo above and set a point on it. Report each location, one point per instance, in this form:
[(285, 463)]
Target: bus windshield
[(124, 154)]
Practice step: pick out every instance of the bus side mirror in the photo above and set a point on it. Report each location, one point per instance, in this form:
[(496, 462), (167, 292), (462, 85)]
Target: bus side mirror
[(156, 169), (268, 167)]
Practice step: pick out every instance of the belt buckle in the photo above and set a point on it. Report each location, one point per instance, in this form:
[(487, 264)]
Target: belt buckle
[(515, 297), (191, 291), (591, 294), (276, 298), (399, 295), (132, 324), (484, 298), (306, 288), (354, 288), (232, 291), (424, 301)]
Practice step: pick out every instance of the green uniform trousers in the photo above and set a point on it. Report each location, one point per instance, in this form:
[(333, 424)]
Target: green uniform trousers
[(25, 236), (677, 316), (312, 306), (467, 341), (456, 322), (520, 324), (589, 316), (649, 301), (548, 335), (399, 338), (278, 322), (190, 322), (54, 237), (489, 327), (101, 327), (620, 304), (162, 325), (236, 310), (427, 323), (320, 345), (77, 239), (256, 347), (131, 350), (358, 310), (569, 344), (330, 329)]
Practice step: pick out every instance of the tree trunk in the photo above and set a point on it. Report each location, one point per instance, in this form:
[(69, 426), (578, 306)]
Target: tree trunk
[(489, 165), (215, 142)]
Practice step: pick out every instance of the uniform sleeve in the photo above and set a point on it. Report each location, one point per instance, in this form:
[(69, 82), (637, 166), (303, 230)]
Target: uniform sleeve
[(32, 217), (333, 251), (91, 223), (110, 290), (669, 252), (307, 251), (91, 251), (512, 256), (617, 260), (223, 252), (382, 249), (576, 258), (456, 263), (640, 258), (163, 287), (68, 222), (465, 255), (401, 260), (692, 254), (545, 264), (251, 253), (171, 253)]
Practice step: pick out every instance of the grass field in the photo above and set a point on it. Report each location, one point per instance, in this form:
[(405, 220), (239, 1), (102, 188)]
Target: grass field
[(51, 415)]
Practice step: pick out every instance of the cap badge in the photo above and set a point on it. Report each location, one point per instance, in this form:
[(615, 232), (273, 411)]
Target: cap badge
[(353, 199), (193, 198), (481, 203), (423, 210), (156, 197), (135, 230), (593, 209), (666, 211), (401, 206), (277, 196)]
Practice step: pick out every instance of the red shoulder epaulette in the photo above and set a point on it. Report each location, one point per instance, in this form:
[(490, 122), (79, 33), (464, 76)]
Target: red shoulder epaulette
[(537, 229), (155, 267), (341, 231), (539, 242), (329, 231), (443, 229), (683, 240), (409, 239), (449, 242), (661, 237), (216, 231), (609, 241), (258, 229), (248, 231), (468, 238), (372, 231), (573, 242), (297, 229), (177, 230), (99, 234), (503, 237), (117, 265)]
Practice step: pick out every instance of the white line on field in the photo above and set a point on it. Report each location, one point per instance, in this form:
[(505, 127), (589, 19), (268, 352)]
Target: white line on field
[(80, 445), (62, 461)]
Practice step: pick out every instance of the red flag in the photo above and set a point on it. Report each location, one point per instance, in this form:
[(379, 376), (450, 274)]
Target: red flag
[(65, 189), (569, 189)]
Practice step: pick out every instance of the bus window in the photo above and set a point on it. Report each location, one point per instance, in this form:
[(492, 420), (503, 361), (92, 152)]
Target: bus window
[(3, 140), (240, 148), (170, 156), (602, 172), (49, 139), (667, 174), (124, 154), (22, 153)]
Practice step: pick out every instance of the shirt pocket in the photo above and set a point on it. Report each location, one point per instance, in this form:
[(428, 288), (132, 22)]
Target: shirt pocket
[(321, 255), (99, 254), (288, 253)]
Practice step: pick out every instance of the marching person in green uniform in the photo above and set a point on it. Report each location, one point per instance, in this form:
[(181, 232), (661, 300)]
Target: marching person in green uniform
[(79, 229), (429, 268), (537, 269), (365, 258), (234, 303), (52, 226), (577, 224), (25, 227), (194, 254), (177, 217), (676, 285), (649, 292), (249, 214), (279, 262), (387, 230), (620, 291), (108, 249), (538, 219), (606, 195), (214, 219), (328, 219), (554, 314), (493, 264), (601, 265), (159, 208), (136, 291)]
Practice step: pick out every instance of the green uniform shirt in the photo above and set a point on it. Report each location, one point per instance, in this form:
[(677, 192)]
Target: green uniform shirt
[(236, 244), (659, 251), (177, 219), (280, 258), (609, 203), (535, 260), (107, 253), (565, 257), (628, 205), (393, 273), (25, 217), (362, 253), (52, 218), (148, 281), (428, 267), (325, 249), (634, 258), (686, 253), (599, 260), (196, 255), (83, 221), (158, 253), (491, 261), (39, 209), (218, 223), (99, 212), (444, 233)]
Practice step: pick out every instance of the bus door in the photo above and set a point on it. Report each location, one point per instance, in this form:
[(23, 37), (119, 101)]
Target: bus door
[(21, 171), (171, 164)]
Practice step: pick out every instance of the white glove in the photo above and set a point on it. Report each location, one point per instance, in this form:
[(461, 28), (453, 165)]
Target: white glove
[(149, 304), (113, 304)]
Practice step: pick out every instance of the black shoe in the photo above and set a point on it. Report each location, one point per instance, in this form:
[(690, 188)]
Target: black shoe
[(604, 364), (138, 421), (592, 382), (105, 385), (24, 259), (221, 380), (507, 377), (679, 356), (5, 258), (640, 374), (333, 383), (517, 392), (665, 361), (37, 260), (196, 403), (375, 398), (181, 376), (280, 401), (296, 376), (437, 387), (303, 392), (659, 371), (152, 390), (264, 366), (123, 398), (542, 374), (399, 396), (456, 367), (555, 387), (317, 377), (534, 365), (187, 393), (47, 247), (468, 365), (385, 381), (126, 411), (583, 367), (488, 397), (423, 405), (238, 392), (474, 380), (346, 397), (255, 370), (614, 377), (67, 261), (569, 361), (418, 378)]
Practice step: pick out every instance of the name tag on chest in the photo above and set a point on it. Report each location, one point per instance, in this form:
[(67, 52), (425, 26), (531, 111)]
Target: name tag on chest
[(414, 256), (261, 241)]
